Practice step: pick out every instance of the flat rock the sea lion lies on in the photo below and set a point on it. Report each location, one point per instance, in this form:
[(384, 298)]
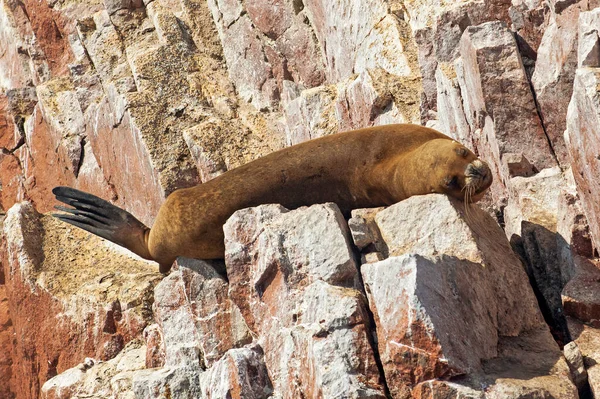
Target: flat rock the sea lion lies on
[(364, 168)]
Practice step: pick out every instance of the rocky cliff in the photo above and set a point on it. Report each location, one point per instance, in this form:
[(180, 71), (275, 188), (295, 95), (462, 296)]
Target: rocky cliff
[(426, 299)]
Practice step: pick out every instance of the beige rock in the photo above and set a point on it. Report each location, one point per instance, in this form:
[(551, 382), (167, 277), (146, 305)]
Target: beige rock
[(588, 50), (434, 389), (339, 43), (534, 199), (451, 113), (575, 360), (587, 339), (241, 373), (310, 321), (60, 109), (572, 228), (374, 97), (412, 227), (311, 115), (178, 382), (384, 48), (419, 341), (197, 320), (92, 379), (363, 228)]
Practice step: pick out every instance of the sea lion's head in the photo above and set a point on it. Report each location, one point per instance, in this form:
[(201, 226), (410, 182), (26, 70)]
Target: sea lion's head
[(457, 172)]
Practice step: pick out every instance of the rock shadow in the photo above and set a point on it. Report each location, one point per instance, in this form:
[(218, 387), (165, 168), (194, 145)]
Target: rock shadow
[(546, 257)]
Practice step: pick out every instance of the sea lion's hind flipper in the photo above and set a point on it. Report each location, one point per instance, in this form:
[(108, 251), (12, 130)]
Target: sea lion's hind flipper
[(102, 218)]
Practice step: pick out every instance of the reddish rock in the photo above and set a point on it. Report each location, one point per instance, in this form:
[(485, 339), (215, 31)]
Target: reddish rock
[(581, 295), (246, 60), (581, 137), (7, 343), (155, 347), (310, 321), (271, 17), (13, 182), (437, 29), (44, 169), (130, 171), (510, 124), (554, 72), (10, 136), (43, 287), (302, 55), (49, 28), (21, 61)]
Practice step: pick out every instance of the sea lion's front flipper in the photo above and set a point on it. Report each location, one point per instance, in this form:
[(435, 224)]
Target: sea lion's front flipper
[(103, 219)]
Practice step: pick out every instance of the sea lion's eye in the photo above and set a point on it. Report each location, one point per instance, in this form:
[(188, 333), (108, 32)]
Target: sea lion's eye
[(462, 151), (451, 181)]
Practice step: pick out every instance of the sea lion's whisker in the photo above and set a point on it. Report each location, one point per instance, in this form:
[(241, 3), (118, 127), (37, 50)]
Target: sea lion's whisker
[(466, 202)]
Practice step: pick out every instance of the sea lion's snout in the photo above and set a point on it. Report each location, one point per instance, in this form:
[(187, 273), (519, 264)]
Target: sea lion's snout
[(478, 176)]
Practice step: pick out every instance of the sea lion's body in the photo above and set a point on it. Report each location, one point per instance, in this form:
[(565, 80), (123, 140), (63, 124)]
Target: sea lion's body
[(370, 167)]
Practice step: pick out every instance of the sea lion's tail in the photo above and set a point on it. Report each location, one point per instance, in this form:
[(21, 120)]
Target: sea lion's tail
[(103, 219)]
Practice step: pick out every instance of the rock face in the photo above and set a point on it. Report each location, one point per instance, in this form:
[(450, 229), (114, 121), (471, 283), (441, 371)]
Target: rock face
[(131, 100), (55, 291), (303, 302)]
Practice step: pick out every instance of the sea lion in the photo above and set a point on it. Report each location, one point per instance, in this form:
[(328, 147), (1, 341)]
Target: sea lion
[(364, 168)]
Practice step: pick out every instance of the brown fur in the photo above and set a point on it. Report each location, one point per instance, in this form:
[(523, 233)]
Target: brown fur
[(358, 169), (371, 167)]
